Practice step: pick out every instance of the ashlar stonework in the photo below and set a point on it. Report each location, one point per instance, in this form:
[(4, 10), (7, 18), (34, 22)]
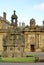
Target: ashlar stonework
[(16, 40)]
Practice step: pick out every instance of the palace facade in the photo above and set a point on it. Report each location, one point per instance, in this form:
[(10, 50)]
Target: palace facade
[(16, 40)]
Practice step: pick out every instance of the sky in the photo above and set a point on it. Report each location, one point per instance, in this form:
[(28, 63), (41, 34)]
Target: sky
[(25, 10)]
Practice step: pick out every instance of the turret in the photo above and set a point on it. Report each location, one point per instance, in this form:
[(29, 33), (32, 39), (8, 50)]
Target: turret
[(14, 18)]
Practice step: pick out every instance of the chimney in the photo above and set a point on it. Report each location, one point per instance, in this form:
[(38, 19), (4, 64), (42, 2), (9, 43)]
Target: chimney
[(4, 15), (19, 24), (23, 25)]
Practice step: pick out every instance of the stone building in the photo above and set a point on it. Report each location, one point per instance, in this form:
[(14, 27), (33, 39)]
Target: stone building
[(16, 40), (4, 24), (34, 37), (13, 45)]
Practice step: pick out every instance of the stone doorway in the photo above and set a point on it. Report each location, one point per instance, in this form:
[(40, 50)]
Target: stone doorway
[(32, 47)]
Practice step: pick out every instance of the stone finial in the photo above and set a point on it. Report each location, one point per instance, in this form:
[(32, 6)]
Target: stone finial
[(32, 22), (14, 12), (4, 15), (14, 18)]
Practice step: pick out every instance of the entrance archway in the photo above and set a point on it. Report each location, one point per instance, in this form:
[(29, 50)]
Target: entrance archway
[(32, 47)]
